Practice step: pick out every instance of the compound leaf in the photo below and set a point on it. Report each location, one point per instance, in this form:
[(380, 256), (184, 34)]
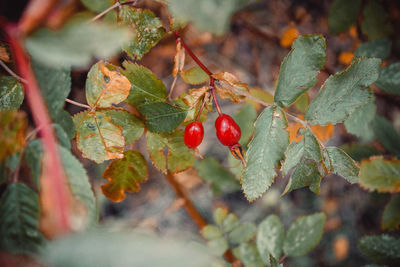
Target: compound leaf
[(11, 93)]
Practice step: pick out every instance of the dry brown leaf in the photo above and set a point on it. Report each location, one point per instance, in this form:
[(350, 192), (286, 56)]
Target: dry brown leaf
[(4, 56), (230, 87), (194, 96), (341, 248), (179, 59), (289, 36)]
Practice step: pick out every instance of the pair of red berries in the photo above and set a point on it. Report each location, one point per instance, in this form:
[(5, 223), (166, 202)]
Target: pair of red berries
[(228, 132)]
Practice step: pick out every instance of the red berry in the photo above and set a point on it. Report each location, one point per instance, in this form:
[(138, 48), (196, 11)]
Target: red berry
[(228, 132), (194, 133)]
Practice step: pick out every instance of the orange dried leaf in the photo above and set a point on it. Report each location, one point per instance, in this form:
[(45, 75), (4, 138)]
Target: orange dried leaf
[(230, 87), (194, 96), (345, 58), (4, 56), (323, 133), (289, 36), (179, 59)]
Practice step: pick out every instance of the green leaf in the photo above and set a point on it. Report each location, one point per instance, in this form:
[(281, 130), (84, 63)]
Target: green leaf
[(300, 68), (125, 175), (249, 255), (274, 262), (304, 234), (194, 76), (265, 151), (302, 103), (132, 126), (229, 223), (144, 85), (77, 43), (64, 119), (221, 180), (342, 15), (219, 215), (381, 249), (97, 6), (19, 220), (161, 117), (62, 136), (386, 134), (97, 137), (359, 151), (344, 92), (33, 157), (218, 246), (389, 79), (210, 232), (147, 29), (376, 22), (105, 85), (380, 174), (11, 93), (379, 48), (245, 119), (359, 122), (242, 233), (338, 162), (270, 237), (391, 214), (179, 157), (79, 183)]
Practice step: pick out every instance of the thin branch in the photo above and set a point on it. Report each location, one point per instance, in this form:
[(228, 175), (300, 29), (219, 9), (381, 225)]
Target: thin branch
[(116, 5), (212, 84), (11, 72), (77, 103)]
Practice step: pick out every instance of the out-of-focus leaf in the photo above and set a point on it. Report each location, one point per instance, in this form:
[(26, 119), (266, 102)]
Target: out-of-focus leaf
[(300, 68), (12, 129), (229, 223), (274, 262), (219, 215), (194, 76), (358, 151), (19, 220), (161, 117), (302, 103), (124, 175), (259, 94), (344, 92), (391, 214), (33, 157), (386, 134), (179, 157), (380, 174), (376, 22), (381, 249), (342, 15), (338, 162), (11, 93), (77, 43), (105, 85), (62, 136), (304, 234), (265, 151), (379, 48), (97, 137), (132, 127), (210, 232), (147, 29), (230, 87), (64, 119), (218, 246), (270, 237), (145, 85), (221, 180), (97, 5), (242, 233), (249, 255), (389, 79), (245, 119)]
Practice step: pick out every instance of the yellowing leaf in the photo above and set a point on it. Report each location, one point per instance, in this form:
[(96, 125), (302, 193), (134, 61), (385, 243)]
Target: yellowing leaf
[(105, 86), (179, 59), (289, 36), (124, 175), (229, 87), (12, 129), (97, 137), (194, 76), (345, 58)]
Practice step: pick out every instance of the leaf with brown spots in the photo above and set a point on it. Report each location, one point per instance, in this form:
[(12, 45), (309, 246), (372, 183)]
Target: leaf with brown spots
[(12, 129), (230, 87)]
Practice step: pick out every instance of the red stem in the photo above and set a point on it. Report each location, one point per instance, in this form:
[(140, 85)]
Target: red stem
[(43, 122), (215, 95)]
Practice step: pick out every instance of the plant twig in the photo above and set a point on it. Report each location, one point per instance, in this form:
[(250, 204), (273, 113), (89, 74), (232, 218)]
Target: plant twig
[(77, 103), (11, 72), (116, 5)]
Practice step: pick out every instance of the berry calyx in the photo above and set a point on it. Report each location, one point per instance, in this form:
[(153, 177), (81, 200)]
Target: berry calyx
[(228, 132), (194, 133)]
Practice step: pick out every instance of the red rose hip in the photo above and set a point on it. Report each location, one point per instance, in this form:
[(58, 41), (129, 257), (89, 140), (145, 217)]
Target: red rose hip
[(228, 132), (194, 133)]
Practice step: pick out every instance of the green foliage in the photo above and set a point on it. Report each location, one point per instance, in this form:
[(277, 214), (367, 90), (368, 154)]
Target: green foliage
[(270, 237), (376, 22), (265, 151), (210, 232), (248, 254), (245, 119), (379, 48), (305, 174), (386, 134), (218, 246), (304, 234), (11, 93), (194, 76), (300, 68), (230, 222), (33, 157), (219, 215), (242, 233), (344, 92), (274, 263), (391, 214), (97, 5), (343, 14), (64, 119), (302, 103), (132, 127), (62, 136), (338, 162), (360, 151), (381, 249), (389, 79), (19, 220)]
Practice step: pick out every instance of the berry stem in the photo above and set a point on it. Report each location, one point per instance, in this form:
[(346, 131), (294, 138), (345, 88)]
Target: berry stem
[(212, 84), (201, 109)]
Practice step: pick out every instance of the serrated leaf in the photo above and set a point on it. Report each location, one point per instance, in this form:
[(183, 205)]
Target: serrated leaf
[(19, 220), (132, 126), (194, 75), (210, 232), (229, 223), (145, 85), (97, 137), (221, 180), (342, 15), (218, 246), (230, 87), (381, 249), (380, 174), (219, 215), (386, 134), (376, 23), (338, 162), (391, 214), (105, 85), (33, 157), (265, 151), (179, 157), (242, 233), (304, 234), (97, 5), (249, 255), (270, 237), (12, 128), (124, 175), (11, 93), (147, 29), (161, 117), (379, 48), (245, 119), (77, 43), (344, 92), (389, 79), (359, 151), (300, 68), (64, 119)]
